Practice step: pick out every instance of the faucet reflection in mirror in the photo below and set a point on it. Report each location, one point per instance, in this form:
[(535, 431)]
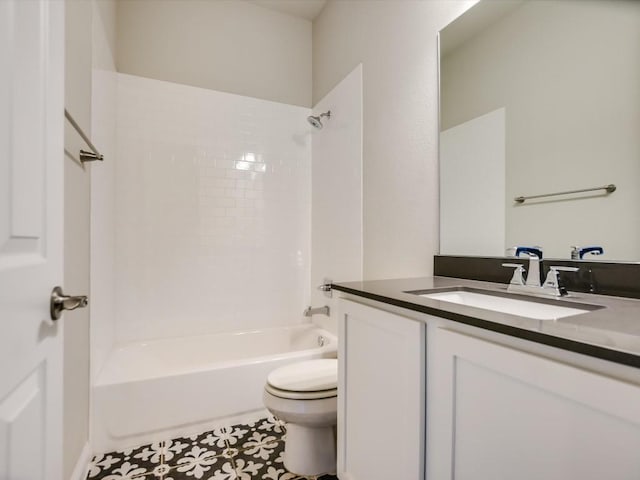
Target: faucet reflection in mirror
[(578, 253), (534, 99)]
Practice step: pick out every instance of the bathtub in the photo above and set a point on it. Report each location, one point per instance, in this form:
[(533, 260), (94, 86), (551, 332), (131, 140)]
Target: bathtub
[(156, 390)]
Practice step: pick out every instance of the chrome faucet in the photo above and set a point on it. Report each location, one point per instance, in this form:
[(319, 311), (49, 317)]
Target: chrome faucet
[(535, 259), (552, 286)]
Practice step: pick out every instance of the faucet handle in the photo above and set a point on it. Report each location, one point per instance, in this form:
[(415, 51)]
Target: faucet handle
[(559, 268), (553, 279), (575, 252), (517, 278)]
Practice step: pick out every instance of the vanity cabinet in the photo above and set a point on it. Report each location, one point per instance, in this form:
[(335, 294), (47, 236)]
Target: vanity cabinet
[(428, 397), (381, 395), (495, 412)]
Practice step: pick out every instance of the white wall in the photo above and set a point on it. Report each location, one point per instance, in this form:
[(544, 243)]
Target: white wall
[(227, 45), (396, 44), (78, 51), (77, 186), (212, 211), (336, 201), (472, 187), (76, 282), (104, 102)]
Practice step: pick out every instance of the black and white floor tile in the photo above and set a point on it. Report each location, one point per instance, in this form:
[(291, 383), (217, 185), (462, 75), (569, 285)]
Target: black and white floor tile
[(250, 451)]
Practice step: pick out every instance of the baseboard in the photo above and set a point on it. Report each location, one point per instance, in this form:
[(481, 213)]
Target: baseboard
[(82, 465)]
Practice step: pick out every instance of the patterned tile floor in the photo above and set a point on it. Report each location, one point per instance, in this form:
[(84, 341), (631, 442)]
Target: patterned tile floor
[(240, 452)]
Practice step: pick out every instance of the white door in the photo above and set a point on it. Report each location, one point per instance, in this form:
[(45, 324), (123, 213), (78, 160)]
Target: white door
[(31, 222)]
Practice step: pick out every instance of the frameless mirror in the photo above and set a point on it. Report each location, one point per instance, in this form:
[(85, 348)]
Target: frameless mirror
[(539, 98)]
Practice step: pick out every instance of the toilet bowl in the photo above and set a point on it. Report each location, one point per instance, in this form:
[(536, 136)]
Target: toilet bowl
[(304, 396)]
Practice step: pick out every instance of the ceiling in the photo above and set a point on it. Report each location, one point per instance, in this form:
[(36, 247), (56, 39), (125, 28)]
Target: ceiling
[(307, 9)]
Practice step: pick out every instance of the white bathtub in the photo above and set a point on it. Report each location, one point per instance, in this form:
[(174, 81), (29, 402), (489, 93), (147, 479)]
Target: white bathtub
[(155, 390)]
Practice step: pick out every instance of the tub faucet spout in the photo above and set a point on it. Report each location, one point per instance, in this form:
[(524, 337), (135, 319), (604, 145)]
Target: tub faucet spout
[(313, 311)]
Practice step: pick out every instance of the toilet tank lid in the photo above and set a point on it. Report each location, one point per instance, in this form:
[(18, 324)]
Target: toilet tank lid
[(307, 376)]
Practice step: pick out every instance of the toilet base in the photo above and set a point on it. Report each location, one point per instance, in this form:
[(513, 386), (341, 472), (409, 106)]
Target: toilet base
[(310, 450)]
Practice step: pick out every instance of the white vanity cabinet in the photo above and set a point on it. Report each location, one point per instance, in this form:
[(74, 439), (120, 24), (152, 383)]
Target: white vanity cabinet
[(428, 397), (381, 395), (495, 412)]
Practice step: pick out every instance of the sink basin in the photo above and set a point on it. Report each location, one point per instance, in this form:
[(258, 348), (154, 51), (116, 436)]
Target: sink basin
[(539, 309)]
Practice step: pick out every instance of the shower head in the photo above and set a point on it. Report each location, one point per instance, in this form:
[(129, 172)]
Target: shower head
[(316, 121)]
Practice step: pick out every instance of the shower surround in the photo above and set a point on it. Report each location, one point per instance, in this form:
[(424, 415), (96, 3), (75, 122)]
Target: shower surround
[(212, 211), (202, 230)]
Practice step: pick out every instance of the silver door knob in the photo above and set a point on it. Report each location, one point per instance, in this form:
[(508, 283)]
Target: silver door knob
[(60, 302)]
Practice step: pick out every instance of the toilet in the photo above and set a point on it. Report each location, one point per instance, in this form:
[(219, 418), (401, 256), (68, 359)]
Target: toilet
[(304, 396)]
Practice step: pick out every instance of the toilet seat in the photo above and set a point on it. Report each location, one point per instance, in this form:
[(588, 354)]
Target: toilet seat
[(308, 380), (289, 395)]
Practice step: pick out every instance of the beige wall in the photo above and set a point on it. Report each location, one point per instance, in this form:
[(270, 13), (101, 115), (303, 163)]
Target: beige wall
[(89, 43), (573, 117), (103, 131), (76, 323), (104, 35), (396, 43), (78, 60), (227, 45), (76, 232)]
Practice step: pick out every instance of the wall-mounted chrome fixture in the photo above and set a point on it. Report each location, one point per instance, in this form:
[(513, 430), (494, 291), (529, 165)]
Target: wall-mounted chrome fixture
[(84, 156), (608, 188), (314, 311), (317, 121), (326, 287), (90, 156)]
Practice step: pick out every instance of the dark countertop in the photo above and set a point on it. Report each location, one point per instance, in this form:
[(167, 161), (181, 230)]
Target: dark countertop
[(611, 331)]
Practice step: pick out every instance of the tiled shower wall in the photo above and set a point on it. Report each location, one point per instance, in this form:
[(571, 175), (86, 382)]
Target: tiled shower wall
[(212, 211)]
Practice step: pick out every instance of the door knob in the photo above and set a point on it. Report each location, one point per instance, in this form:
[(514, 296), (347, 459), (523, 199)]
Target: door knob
[(60, 302)]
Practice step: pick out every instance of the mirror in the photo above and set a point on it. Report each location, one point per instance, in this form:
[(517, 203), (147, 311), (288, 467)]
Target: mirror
[(536, 98)]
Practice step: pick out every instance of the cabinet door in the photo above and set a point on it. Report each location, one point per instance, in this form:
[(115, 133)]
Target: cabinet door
[(381, 395), (499, 413)]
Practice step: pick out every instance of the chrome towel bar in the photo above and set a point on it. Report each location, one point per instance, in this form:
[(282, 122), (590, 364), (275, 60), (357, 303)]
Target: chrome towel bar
[(609, 188), (84, 156)]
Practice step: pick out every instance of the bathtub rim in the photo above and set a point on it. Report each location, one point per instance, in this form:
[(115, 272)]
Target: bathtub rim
[(330, 347)]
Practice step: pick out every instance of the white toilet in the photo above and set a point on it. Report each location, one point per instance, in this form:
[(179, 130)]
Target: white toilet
[(304, 396)]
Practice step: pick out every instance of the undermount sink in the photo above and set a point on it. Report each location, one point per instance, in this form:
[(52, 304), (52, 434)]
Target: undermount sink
[(539, 309)]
